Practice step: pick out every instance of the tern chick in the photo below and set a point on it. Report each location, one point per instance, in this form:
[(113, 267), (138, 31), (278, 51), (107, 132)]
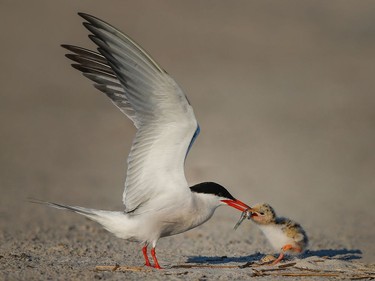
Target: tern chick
[(284, 234)]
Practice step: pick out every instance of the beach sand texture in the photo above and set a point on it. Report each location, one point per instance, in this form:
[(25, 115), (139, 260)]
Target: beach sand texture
[(283, 92)]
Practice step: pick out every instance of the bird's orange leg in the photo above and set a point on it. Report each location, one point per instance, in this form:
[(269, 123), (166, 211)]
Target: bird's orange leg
[(144, 251), (281, 256), (285, 248), (156, 263)]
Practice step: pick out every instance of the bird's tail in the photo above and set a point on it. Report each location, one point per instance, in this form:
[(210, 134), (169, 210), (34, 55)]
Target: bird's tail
[(113, 221), (90, 213)]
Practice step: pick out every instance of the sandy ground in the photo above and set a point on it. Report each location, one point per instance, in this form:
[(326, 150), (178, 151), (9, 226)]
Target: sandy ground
[(284, 94)]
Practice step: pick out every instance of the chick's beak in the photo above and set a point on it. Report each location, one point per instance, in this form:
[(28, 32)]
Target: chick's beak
[(237, 204)]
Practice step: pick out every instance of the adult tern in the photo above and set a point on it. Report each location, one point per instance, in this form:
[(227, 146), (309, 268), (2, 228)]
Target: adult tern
[(158, 200)]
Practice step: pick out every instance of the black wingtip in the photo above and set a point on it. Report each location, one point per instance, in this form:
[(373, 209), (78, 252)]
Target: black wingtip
[(65, 46), (89, 27), (73, 57), (88, 17), (79, 67), (84, 15), (69, 47), (96, 41)]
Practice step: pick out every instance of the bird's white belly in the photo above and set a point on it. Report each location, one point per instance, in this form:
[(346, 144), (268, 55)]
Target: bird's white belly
[(276, 236), (182, 221), (179, 216)]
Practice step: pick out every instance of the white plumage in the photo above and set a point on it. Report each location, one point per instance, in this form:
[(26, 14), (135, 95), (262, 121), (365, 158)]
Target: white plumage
[(158, 201), (276, 236)]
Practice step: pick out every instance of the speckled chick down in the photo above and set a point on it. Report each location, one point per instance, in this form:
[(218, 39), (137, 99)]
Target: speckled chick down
[(279, 231)]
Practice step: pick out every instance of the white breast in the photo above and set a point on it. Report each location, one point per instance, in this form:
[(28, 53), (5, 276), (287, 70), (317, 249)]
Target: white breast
[(276, 236)]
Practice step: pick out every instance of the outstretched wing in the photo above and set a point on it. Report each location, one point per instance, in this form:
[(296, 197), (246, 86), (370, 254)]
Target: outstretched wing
[(145, 93)]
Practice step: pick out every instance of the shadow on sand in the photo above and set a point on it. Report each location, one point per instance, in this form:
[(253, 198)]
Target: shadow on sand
[(340, 254)]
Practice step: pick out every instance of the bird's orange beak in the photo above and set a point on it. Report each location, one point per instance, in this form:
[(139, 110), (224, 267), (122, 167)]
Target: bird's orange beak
[(237, 204)]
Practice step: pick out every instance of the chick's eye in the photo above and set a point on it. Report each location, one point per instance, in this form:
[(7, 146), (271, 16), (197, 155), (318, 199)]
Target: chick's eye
[(261, 213)]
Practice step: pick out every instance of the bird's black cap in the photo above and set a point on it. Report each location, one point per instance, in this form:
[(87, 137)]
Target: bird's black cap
[(212, 188)]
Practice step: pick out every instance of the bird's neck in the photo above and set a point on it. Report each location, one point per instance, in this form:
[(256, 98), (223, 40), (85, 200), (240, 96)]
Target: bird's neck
[(203, 207)]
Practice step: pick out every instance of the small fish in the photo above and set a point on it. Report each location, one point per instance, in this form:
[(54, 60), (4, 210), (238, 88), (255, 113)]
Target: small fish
[(245, 214)]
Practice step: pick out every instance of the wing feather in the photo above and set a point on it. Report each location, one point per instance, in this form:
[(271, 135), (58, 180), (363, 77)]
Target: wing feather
[(142, 90)]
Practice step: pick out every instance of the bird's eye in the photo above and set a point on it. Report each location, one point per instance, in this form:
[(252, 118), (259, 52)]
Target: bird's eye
[(261, 213)]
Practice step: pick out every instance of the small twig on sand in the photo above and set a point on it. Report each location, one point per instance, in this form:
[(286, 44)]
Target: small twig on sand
[(120, 268), (248, 264), (360, 277), (287, 265), (301, 274)]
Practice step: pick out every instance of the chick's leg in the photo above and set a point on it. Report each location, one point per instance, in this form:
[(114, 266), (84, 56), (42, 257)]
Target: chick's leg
[(285, 248)]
